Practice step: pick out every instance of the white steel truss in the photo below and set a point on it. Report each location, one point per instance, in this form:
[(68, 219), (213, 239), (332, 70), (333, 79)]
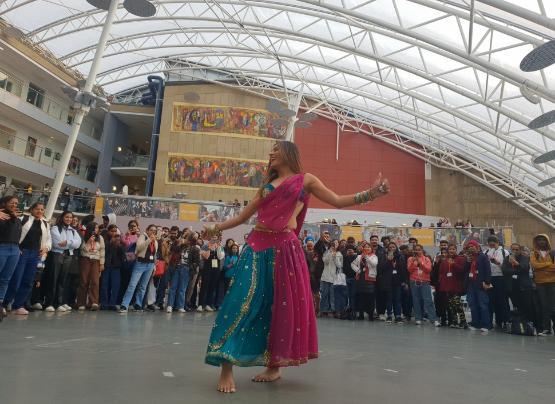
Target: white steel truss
[(438, 79)]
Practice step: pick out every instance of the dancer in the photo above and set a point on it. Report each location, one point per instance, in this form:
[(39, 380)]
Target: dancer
[(267, 317)]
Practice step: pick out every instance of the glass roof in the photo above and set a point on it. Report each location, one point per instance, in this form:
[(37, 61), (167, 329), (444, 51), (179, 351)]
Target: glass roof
[(443, 74)]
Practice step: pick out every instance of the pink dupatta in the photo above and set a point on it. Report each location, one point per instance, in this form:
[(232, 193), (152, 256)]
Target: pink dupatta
[(278, 206)]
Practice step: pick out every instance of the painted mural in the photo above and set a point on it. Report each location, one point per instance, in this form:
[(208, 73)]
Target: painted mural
[(215, 171), (225, 120)]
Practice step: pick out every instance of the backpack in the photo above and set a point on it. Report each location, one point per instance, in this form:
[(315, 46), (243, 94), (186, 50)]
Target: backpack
[(520, 326)]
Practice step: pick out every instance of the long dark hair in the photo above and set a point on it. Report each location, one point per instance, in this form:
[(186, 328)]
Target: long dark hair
[(60, 220), (89, 232), (292, 157)]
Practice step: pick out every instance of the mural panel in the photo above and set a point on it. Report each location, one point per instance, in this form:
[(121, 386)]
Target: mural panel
[(224, 120), (217, 171)]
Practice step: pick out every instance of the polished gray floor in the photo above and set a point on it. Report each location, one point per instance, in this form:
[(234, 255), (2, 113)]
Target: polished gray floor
[(158, 358)]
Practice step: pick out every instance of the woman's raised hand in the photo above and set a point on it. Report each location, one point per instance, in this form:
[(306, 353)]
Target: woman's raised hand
[(380, 187)]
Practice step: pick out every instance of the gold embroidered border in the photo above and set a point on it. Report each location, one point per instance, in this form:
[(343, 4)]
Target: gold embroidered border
[(244, 308)]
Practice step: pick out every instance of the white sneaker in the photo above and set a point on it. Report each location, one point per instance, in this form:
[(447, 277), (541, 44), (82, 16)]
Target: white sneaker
[(50, 309), (209, 308), (182, 311), (484, 330), (199, 309), (37, 306), (82, 308), (67, 307), (21, 312), (472, 328), (381, 317), (169, 309), (61, 309), (437, 323), (418, 322)]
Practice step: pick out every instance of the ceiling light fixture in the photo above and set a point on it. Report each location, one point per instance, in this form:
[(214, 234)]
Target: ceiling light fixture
[(539, 58), (140, 8), (544, 158), (543, 120)]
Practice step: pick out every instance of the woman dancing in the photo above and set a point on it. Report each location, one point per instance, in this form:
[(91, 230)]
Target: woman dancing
[(267, 317)]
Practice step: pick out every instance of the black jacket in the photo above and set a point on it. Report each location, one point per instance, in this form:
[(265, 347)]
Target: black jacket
[(391, 273), (320, 248), (10, 230), (517, 278), (347, 269), (114, 255)]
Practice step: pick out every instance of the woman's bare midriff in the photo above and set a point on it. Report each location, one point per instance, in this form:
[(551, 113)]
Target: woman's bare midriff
[(291, 225)]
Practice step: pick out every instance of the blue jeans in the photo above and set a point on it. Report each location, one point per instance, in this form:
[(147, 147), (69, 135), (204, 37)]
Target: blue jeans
[(327, 297), (479, 306), (394, 302), (109, 287), (22, 280), (340, 294), (422, 298), (178, 286), (139, 280), (9, 256), (351, 292)]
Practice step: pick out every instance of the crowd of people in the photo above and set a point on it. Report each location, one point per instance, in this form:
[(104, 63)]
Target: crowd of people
[(84, 265)]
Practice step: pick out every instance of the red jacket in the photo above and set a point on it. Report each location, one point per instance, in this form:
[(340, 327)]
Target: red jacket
[(424, 274), (455, 282)]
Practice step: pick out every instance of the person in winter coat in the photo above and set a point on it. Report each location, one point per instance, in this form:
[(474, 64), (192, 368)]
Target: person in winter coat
[(451, 283), (419, 267), (332, 260), (114, 260), (366, 269), (348, 258), (516, 270), (391, 279), (478, 270), (10, 234), (542, 260), (311, 262), (91, 264), (34, 244)]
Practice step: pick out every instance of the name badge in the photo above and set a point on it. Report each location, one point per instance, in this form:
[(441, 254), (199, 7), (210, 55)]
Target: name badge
[(70, 252), (449, 274), (215, 263), (152, 257), (515, 276), (394, 272), (419, 272), (470, 275), (187, 254)]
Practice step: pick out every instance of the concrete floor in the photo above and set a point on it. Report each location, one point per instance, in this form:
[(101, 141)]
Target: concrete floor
[(157, 358)]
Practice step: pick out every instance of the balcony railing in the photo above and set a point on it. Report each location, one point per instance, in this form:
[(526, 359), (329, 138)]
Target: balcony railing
[(127, 158), (83, 203), (42, 155), (49, 105)]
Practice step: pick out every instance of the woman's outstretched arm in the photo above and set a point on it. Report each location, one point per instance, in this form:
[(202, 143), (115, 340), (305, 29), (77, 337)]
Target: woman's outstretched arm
[(243, 216), (319, 190)]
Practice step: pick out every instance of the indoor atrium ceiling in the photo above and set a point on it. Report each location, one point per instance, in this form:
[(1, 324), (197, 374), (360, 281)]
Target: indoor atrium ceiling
[(438, 79)]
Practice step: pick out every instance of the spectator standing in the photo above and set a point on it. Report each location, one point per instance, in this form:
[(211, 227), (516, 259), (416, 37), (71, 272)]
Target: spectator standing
[(46, 193), (332, 261), (321, 246), (391, 278), (28, 195), (130, 242), (498, 297), (179, 263), (167, 252), (66, 196), (212, 254), (417, 223), (65, 241), (194, 270), (91, 264), (348, 258), (143, 268), (419, 267), (366, 268), (478, 268), (311, 260), (231, 258), (34, 244), (451, 284), (113, 262), (542, 260), (10, 234), (406, 295), (516, 269)]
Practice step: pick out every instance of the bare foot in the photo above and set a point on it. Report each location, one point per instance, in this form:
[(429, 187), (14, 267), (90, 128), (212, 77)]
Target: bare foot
[(269, 375), (226, 384)]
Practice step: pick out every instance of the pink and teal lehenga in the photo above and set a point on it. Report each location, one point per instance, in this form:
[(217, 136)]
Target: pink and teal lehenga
[(267, 317)]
